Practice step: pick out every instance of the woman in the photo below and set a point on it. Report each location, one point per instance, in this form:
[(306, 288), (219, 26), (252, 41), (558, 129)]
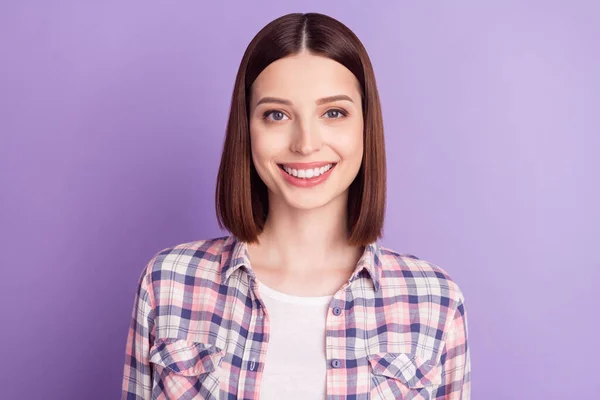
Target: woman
[(300, 302)]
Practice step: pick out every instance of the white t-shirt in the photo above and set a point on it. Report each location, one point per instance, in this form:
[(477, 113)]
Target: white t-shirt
[(295, 364)]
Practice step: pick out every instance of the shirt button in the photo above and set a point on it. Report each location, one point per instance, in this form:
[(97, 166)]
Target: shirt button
[(335, 363), (337, 311)]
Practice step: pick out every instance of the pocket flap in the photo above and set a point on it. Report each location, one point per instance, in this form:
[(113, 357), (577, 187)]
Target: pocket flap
[(410, 369), (184, 357)]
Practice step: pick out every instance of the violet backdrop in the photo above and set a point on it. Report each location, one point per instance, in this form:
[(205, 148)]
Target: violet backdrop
[(112, 118)]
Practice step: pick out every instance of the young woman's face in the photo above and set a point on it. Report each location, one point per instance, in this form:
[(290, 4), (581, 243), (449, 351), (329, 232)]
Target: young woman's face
[(306, 129)]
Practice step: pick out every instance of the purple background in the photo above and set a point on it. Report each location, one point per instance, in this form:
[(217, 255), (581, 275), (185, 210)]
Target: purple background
[(112, 118)]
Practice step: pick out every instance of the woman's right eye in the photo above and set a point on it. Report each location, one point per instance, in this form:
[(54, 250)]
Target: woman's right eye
[(275, 115)]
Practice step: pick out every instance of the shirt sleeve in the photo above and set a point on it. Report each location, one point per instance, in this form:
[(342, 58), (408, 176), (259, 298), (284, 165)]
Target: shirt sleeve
[(456, 360), (137, 372)]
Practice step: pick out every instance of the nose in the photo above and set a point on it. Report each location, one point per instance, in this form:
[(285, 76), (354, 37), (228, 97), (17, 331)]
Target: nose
[(306, 139)]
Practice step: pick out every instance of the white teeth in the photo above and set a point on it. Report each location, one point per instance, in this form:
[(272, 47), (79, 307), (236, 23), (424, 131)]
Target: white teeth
[(307, 173)]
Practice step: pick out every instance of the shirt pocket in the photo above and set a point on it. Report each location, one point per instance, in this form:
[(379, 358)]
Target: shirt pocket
[(402, 376), (185, 370)]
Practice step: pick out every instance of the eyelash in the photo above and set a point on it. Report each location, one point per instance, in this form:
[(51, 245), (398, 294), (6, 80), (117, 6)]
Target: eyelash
[(339, 110)]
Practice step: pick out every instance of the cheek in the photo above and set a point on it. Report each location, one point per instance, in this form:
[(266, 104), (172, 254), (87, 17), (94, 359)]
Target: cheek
[(351, 145), (265, 145), (258, 145), (260, 156)]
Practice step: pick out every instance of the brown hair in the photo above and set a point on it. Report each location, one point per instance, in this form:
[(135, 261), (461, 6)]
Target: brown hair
[(241, 196)]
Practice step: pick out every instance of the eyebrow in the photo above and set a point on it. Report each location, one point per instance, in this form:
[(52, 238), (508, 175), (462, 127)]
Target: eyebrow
[(320, 101)]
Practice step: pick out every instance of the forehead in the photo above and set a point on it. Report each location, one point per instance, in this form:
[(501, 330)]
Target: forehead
[(305, 76)]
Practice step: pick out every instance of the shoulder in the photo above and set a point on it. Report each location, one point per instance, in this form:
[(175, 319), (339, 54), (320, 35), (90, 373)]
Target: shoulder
[(421, 277), (199, 258)]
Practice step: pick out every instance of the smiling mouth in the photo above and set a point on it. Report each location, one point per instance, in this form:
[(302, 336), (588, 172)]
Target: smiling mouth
[(307, 173)]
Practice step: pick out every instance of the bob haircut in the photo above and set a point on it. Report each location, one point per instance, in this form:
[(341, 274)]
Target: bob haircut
[(241, 197)]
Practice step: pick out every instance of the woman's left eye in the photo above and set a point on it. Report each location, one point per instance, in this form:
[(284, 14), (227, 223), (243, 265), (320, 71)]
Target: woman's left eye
[(335, 113)]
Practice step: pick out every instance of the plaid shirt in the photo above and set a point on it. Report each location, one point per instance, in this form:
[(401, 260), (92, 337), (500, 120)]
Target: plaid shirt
[(396, 330)]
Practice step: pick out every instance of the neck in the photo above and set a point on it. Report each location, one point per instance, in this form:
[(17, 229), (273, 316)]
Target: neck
[(296, 239)]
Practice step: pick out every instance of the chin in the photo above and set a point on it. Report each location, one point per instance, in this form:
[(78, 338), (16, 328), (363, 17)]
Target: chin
[(308, 201)]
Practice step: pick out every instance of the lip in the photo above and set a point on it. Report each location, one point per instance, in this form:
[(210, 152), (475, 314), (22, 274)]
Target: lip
[(306, 182), (310, 165)]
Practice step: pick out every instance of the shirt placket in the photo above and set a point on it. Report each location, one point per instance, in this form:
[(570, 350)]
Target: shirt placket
[(256, 346), (335, 345)]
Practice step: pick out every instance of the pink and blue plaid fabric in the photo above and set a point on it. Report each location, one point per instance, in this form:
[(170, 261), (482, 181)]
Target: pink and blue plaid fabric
[(397, 329)]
